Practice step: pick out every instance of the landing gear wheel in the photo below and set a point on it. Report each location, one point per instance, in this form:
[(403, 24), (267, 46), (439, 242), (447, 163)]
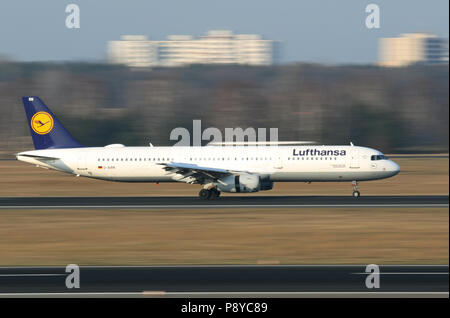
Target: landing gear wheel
[(214, 193), (204, 194), (356, 193)]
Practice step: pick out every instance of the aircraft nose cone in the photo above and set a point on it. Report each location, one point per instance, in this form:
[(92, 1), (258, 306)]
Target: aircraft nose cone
[(394, 168)]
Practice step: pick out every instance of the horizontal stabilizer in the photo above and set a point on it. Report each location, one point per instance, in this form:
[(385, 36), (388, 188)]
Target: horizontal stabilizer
[(38, 157)]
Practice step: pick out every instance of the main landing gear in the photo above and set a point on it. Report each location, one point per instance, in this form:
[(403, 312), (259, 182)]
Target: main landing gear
[(356, 193), (206, 194)]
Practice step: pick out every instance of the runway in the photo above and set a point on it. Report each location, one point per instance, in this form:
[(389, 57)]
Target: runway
[(183, 202), (222, 281)]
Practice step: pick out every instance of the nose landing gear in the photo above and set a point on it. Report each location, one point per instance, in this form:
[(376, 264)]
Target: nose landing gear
[(356, 193)]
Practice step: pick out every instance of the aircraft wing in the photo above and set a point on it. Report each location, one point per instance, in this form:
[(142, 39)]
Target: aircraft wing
[(192, 173)]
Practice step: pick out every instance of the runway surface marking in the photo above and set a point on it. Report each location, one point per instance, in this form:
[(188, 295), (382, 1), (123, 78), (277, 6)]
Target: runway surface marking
[(227, 202), (221, 266), (400, 273), (224, 206), (30, 275), (235, 280)]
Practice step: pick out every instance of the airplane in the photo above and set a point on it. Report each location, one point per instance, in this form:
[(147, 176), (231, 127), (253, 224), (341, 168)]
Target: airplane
[(233, 168)]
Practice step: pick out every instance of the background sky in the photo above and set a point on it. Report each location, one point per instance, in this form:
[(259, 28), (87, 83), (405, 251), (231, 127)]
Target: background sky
[(313, 31)]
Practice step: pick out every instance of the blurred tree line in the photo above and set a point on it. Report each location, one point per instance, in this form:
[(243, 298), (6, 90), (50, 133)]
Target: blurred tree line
[(392, 109)]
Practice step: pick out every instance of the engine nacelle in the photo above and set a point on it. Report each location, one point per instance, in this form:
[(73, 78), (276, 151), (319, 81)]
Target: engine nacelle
[(265, 185), (240, 183)]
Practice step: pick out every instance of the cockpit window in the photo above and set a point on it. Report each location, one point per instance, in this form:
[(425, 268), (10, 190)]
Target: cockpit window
[(378, 157)]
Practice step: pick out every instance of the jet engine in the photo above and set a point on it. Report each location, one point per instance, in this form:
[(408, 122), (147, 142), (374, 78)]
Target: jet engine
[(239, 183), (265, 184)]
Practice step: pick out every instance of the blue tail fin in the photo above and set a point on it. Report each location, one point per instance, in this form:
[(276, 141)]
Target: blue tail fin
[(46, 130)]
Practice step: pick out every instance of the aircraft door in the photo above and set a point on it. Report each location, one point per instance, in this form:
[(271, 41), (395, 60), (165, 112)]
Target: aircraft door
[(81, 163), (278, 160), (354, 158)]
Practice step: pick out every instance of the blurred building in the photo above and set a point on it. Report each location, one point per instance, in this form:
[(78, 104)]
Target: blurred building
[(216, 47), (411, 49), (133, 51)]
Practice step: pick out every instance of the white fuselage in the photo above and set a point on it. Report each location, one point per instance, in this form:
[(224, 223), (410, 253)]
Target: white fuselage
[(277, 164)]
